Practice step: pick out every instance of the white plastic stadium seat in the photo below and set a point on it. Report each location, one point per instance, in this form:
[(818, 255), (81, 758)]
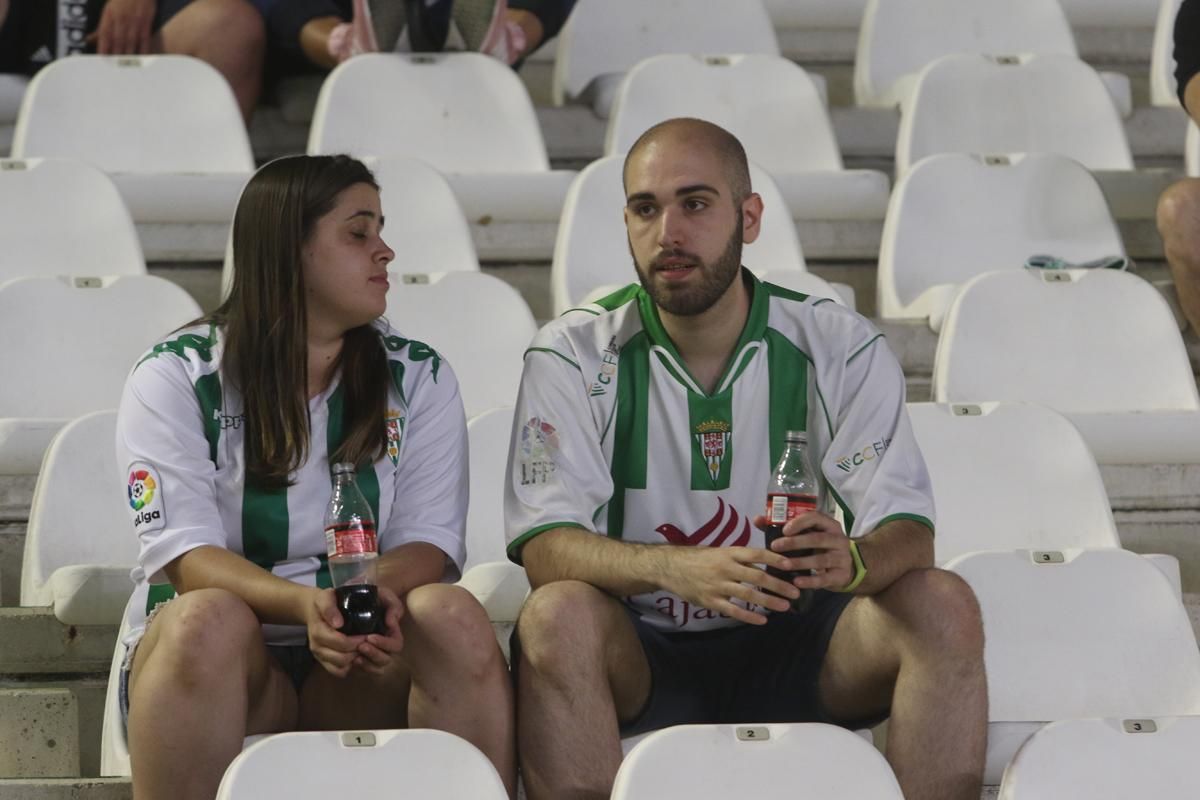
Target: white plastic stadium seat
[(61, 217), (1162, 59), (466, 114), (79, 546), (317, 765), (715, 762), (1012, 104), (1099, 346), (899, 37), (66, 346), (1107, 759), (592, 246), (12, 89), (1010, 476), (1111, 13), (772, 106), (478, 322), (114, 747), (954, 216), (604, 38), (816, 13), (499, 584), (166, 129), (424, 222), (1191, 153), (1078, 633)]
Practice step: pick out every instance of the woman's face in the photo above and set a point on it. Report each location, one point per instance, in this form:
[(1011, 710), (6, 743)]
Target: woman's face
[(345, 262)]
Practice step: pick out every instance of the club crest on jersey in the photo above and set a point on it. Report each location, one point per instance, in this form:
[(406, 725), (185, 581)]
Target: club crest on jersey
[(394, 426), (145, 497), (539, 445), (713, 437), (608, 368)]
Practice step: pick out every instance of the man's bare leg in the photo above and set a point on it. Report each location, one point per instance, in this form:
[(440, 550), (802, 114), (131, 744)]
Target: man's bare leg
[(917, 646), (450, 676), (582, 669), (1179, 225), (202, 680), (229, 35)]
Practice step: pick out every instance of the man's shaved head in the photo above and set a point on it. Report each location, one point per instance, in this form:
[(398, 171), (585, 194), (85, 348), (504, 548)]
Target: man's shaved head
[(690, 132)]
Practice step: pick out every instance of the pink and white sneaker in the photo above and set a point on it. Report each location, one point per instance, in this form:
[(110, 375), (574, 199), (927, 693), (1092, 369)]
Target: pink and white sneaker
[(354, 37)]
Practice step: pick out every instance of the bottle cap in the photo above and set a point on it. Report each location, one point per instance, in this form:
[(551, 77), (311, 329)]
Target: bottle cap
[(796, 437), (342, 468)]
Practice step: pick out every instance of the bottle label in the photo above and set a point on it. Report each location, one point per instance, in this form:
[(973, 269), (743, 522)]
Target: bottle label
[(783, 507), (350, 538)]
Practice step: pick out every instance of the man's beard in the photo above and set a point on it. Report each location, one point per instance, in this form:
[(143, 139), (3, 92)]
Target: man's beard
[(714, 279)]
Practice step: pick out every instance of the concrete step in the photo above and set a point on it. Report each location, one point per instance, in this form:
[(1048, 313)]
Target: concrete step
[(39, 733), (66, 789)]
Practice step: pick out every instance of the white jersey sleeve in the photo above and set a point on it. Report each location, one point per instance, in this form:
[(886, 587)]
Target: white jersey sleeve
[(170, 478), (430, 502), (873, 463), (557, 475)]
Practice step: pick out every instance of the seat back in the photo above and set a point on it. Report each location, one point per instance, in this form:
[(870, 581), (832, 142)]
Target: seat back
[(458, 112), (1162, 59), (1079, 341), (425, 224), (604, 37), (80, 337), (489, 434), (479, 323), (768, 102), (142, 114), (1081, 633), (78, 515), (61, 217), (1008, 476), (707, 762), (317, 765), (898, 38), (954, 216), (1010, 104), (1107, 759), (592, 248)]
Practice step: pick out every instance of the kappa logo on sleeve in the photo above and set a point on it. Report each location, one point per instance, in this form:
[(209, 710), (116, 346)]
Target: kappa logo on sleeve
[(146, 498)]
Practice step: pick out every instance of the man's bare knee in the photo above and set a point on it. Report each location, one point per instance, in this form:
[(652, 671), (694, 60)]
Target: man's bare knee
[(234, 24), (937, 611), (564, 622), (1179, 212)]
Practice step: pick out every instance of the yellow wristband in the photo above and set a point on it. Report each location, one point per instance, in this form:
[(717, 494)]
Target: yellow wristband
[(860, 569)]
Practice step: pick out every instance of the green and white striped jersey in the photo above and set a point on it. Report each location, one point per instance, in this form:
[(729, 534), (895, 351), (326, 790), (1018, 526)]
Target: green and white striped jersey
[(180, 437), (613, 435)]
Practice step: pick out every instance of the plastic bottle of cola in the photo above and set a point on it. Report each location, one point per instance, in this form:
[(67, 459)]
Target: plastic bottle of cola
[(353, 553), (793, 491)]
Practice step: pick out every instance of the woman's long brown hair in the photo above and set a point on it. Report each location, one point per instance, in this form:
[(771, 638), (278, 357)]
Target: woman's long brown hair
[(265, 328)]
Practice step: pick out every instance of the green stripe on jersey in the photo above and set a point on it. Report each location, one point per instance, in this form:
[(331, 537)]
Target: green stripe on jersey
[(158, 593), (208, 394), (710, 422), (619, 298), (630, 434), (264, 525), (788, 368)]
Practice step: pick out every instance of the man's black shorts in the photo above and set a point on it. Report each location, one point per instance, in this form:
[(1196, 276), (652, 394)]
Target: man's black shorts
[(743, 674)]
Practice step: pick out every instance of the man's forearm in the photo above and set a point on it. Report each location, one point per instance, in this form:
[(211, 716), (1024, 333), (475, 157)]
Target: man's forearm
[(621, 568), (892, 550)]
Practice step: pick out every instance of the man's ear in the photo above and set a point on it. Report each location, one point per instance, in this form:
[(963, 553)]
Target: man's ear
[(752, 209)]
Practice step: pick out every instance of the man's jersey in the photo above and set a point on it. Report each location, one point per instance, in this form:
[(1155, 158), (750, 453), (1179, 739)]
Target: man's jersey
[(180, 439), (613, 435)]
